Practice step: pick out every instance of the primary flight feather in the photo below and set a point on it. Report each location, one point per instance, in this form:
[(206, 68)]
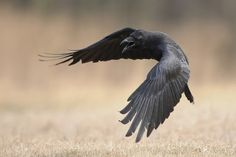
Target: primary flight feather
[(153, 101)]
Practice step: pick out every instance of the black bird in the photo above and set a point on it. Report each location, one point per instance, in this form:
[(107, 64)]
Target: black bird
[(153, 101)]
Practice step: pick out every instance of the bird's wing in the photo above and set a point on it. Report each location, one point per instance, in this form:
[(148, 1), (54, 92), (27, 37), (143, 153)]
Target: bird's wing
[(155, 98), (108, 48)]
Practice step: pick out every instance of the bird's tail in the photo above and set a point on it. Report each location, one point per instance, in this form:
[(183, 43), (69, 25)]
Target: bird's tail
[(188, 94)]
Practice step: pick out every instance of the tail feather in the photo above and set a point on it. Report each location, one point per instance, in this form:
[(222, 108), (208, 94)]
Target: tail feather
[(188, 94)]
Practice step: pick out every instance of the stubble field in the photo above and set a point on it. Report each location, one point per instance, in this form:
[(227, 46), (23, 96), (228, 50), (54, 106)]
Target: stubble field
[(206, 128)]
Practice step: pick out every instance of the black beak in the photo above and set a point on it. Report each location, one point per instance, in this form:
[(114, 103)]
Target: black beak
[(127, 43)]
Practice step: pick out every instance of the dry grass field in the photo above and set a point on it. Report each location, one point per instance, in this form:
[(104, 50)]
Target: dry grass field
[(207, 128)]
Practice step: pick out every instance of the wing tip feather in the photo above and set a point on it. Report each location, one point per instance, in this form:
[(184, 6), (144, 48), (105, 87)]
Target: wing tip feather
[(64, 57)]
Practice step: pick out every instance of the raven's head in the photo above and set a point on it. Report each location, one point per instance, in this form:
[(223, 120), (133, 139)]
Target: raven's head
[(137, 41), (128, 43)]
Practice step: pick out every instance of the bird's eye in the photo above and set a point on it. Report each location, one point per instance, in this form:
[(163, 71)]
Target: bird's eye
[(131, 43)]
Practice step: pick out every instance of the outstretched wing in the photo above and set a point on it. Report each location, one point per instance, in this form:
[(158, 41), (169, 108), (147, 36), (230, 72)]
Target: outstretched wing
[(156, 97), (108, 48)]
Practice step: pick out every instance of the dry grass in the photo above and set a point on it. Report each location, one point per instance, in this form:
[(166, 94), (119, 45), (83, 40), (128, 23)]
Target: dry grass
[(205, 129)]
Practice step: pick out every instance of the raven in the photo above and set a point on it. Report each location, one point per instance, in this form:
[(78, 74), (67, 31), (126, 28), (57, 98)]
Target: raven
[(153, 101)]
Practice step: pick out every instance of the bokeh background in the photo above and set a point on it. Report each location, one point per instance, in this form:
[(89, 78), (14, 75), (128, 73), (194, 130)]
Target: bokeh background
[(34, 92), (204, 29)]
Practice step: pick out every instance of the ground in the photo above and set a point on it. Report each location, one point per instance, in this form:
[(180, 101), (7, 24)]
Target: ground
[(206, 128)]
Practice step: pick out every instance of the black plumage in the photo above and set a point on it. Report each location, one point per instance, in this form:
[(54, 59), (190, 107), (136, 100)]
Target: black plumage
[(153, 101)]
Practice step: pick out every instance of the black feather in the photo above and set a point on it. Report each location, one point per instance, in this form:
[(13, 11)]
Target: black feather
[(153, 101)]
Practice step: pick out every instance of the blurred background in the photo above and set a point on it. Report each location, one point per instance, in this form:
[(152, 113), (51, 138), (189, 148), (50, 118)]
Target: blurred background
[(48, 110), (205, 29)]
